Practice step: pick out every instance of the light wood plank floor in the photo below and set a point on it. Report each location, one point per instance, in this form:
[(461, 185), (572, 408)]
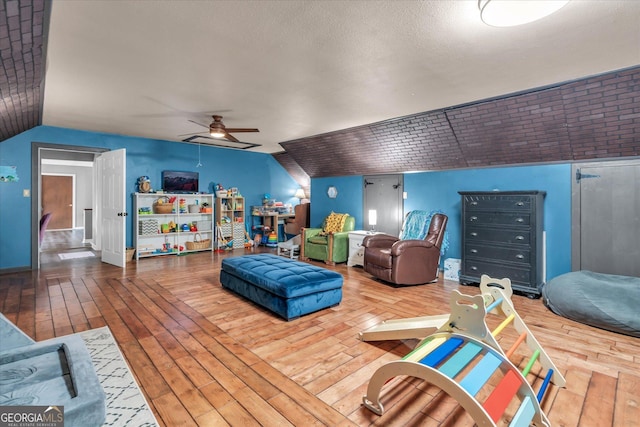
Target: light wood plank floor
[(204, 356)]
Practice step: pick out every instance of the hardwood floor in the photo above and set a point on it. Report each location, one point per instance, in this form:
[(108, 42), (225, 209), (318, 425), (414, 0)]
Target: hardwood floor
[(204, 356)]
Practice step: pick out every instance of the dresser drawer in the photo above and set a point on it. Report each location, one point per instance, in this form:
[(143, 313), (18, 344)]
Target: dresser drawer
[(473, 269), (497, 235), (497, 202), (497, 218), (508, 254)]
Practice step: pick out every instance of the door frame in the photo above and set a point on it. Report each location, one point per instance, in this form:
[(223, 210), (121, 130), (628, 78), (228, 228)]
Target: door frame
[(36, 149), (576, 204)]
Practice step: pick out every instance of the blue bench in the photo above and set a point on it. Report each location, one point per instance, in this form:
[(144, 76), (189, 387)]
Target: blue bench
[(287, 287)]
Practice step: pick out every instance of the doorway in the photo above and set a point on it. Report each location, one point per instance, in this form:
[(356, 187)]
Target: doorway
[(52, 167), (383, 203), (606, 217)]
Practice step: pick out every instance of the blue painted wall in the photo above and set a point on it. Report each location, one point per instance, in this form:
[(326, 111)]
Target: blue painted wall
[(254, 174), (439, 191), (349, 199)]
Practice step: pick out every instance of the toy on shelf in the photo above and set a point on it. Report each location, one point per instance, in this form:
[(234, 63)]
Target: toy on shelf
[(462, 358), (220, 191), (144, 184)]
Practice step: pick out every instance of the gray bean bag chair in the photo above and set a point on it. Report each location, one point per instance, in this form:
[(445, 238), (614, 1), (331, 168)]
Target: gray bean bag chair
[(605, 301)]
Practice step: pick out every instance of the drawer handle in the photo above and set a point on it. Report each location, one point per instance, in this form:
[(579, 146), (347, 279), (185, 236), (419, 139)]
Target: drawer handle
[(473, 218), (474, 203), (474, 251), (519, 237), (520, 204), (474, 234), (520, 256), (520, 220), (474, 268)]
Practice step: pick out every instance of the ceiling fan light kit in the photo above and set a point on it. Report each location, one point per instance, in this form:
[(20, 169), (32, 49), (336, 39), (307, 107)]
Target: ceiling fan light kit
[(509, 13)]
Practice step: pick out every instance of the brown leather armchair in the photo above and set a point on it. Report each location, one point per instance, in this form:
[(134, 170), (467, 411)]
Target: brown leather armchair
[(406, 262), (300, 220)]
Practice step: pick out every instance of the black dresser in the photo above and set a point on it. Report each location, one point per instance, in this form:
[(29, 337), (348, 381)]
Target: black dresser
[(502, 236)]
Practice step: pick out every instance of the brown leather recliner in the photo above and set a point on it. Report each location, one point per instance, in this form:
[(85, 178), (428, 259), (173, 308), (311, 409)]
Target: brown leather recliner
[(406, 262)]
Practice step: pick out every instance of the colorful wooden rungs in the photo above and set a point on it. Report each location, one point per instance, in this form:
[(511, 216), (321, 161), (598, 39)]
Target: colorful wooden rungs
[(463, 358)]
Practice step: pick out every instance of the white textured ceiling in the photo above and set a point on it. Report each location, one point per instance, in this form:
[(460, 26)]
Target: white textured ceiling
[(301, 68)]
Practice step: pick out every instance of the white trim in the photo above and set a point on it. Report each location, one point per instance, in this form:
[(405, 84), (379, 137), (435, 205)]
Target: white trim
[(60, 162)]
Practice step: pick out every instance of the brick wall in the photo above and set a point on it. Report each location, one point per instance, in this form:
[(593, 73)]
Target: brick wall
[(22, 25), (592, 118)]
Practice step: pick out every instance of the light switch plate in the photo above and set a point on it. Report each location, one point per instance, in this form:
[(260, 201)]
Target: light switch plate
[(26, 193)]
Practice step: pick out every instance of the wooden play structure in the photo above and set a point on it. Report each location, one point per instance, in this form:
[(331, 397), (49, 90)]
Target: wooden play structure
[(465, 360), (420, 327)]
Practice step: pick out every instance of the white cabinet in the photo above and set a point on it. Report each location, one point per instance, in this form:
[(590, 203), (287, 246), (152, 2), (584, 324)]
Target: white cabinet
[(172, 224), (356, 251)]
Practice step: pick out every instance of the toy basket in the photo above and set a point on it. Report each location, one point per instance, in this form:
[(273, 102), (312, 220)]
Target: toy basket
[(198, 243), (164, 208)]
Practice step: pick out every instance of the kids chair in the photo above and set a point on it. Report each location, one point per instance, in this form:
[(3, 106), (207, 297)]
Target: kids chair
[(329, 243), (411, 259)]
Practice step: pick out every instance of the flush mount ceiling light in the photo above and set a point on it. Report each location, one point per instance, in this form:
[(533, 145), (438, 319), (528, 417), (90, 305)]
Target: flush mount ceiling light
[(217, 133), (509, 13)]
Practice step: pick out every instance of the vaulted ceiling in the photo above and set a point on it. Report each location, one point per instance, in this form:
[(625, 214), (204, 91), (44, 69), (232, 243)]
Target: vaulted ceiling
[(389, 86)]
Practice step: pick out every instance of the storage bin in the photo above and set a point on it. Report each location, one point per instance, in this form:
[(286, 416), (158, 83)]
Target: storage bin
[(452, 269), (198, 243), (148, 227)]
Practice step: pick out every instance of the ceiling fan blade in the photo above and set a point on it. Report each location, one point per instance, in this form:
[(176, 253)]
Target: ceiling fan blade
[(199, 124), (235, 130), (231, 138)]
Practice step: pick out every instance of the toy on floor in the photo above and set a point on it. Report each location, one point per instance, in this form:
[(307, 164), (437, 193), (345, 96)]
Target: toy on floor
[(222, 242), (290, 248), (272, 240), (420, 327), (463, 357)]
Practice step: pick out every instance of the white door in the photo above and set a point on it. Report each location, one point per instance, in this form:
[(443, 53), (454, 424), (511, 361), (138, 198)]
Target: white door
[(113, 206)]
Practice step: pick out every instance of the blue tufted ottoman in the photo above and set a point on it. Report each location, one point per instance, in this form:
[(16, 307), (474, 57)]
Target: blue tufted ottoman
[(287, 287)]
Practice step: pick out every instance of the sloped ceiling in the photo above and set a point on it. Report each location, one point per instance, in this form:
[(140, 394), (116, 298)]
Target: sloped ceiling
[(587, 119), (23, 28)]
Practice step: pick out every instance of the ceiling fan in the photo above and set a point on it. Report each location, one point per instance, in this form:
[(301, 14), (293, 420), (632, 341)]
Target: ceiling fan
[(217, 129)]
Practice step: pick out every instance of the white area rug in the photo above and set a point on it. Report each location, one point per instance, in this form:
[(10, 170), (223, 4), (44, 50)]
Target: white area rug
[(126, 405), (72, 255)]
